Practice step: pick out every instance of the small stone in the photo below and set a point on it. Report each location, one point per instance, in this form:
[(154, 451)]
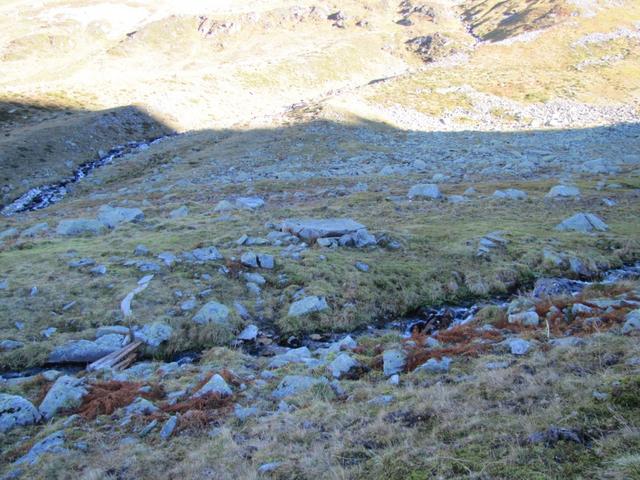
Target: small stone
[(16, 411), (212, 312), (140, 406), (363, 267), (307, 305), (169, 427), (563, 191), (428, 190), (394, 379), (632, 322), (343, 366), (394, 361), (8, 345), (434, 365), (518, 346), (179, 212), (80, 226), (52, 444), (216, 384), (114, 216), (249, 203), (583, 223), (526, 319), (249, 333), (141, 250), (294, 384), (99, 270), (510, 194), (66, 393)]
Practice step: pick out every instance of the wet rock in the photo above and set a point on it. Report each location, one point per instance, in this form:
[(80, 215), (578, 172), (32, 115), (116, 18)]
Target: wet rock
[(16, 411), (53, 444), (217, 385), (83, 351), (434, 365), (307, 305), (631, 322), (80, 226), (310, 229), (425, 190), (583, 223), (66, 393), (212, 312), (295, 384), (552, 287), (563, 191), (394, 361), (114, 216)]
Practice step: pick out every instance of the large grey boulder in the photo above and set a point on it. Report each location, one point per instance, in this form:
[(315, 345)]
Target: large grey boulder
[(216, 384), (295, 384), (114, 216), (80, 226), (553, 287), (425, 190), (310, 228), (632, 322), (16, 411), (393, 361), (53, 444), (582, 222), (66, 393), (563, 191), (307, 305), (85, 351), (212, 312), (294, 355)]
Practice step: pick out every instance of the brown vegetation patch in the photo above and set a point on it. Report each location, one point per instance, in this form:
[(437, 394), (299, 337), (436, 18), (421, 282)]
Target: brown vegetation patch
[(104, 398), (417, 356), (198, 412)]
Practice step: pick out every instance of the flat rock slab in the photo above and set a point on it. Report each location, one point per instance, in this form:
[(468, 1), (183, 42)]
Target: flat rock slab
[(315, 228), (582, 222)]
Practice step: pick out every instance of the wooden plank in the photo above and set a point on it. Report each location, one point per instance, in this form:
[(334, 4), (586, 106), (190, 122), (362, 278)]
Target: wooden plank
[(114, 358)]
